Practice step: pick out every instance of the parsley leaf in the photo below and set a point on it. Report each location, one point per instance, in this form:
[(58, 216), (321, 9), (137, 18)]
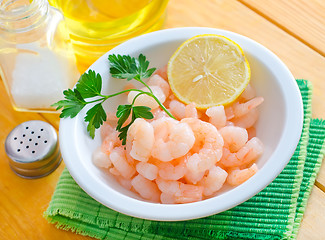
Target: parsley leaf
[(123, 67), (126, 67), (142, 112), (123, 113), (123, 133), (89, 84), (95, 117), (142, 67), (72, 105)]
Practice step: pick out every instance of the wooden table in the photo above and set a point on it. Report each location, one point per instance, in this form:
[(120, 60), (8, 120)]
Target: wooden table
[(292, 29)]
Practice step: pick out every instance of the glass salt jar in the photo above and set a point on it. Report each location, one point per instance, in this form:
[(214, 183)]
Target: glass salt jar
[(36, 58)]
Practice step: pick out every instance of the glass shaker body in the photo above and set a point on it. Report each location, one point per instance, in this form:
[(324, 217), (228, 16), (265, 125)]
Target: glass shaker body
[(36, 58)]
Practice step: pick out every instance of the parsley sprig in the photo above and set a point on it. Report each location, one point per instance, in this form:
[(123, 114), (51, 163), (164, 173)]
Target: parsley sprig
[(89, 87)]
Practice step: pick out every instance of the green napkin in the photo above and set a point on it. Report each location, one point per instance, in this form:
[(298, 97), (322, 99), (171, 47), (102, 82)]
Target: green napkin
[(274, 213)]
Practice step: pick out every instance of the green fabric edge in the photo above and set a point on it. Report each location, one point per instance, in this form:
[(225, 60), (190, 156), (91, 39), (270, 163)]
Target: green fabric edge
[(311, 180), (92, 230), (61, 220), (302, 84)]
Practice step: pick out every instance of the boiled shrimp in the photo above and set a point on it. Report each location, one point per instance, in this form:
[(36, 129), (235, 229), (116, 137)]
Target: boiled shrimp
[(189, 193), (210, 143), (166, 198), (252, 150), (157, 80), (237, 176), (248, 120), (101, 159), (140, 139), (158, 113), (229, 113), (241, 109), (106, 129), (193, 176), (146, 188), (126, 183), (128, 86), (234, 137), (185, 160), (168, 171), (217, 116), (177, 192), (147, 170), (213, 181), (229, 123), (111, 141), (170, 187), (251, 132), (120, 162), (111, 117), (177, 109), (115, 172), (146, 100), (191, 111), (172, 139), (162, 72)]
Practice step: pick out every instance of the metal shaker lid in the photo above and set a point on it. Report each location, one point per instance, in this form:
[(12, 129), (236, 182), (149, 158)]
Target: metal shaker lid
[(33, 149)]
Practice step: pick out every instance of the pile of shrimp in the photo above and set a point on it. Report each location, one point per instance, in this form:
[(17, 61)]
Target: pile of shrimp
[(185, 160)]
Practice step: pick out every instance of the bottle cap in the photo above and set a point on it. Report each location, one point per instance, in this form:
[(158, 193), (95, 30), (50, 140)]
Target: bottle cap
[(33, 149)]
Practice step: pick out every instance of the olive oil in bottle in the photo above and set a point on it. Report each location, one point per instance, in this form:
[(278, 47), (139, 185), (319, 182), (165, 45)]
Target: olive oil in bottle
[(95, 26)]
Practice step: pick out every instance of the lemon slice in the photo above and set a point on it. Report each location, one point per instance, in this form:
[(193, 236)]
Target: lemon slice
[(208, 70)]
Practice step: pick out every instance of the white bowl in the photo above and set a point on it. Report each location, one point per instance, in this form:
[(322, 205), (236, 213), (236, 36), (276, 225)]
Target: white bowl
[(279, 127)]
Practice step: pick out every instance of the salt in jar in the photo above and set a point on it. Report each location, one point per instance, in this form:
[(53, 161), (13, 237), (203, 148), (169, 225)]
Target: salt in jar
[(36, 58)]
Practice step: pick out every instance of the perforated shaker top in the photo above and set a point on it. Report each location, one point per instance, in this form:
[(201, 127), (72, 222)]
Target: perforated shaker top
[(33, 149)]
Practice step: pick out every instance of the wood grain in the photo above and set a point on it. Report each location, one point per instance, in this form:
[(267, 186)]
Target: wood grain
[(304, 19), (321, 177), (52, 118), (312, 226), (22, 202)]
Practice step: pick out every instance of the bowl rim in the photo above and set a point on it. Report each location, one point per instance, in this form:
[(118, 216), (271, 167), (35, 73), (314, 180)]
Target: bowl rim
[(177, 212)]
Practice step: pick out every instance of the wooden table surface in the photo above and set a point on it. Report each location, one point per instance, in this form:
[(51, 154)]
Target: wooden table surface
[(292, 29)]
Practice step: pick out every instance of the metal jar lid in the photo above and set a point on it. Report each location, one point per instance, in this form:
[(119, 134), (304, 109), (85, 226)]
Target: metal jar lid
[(33, 149)]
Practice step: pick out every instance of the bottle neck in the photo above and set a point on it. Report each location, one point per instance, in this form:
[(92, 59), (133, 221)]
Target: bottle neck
[(18, 16)]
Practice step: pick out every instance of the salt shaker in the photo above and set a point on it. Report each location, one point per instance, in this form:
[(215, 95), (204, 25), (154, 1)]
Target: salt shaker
[(36, 58)]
